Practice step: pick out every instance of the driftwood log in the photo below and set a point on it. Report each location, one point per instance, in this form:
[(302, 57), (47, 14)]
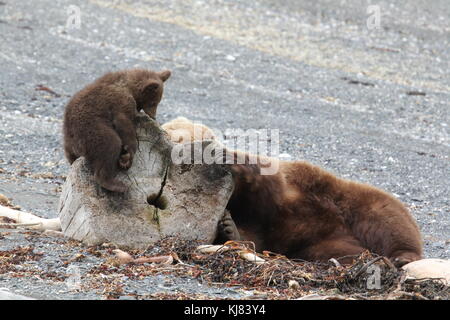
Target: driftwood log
[(29, 220), (164, 198)]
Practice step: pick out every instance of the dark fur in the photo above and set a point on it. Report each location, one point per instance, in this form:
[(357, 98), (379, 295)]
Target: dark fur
[(307, 213), (99, 121)]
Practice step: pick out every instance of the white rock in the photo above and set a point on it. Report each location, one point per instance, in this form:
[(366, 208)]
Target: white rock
[(429, 268), (229, 57), (285, 156)]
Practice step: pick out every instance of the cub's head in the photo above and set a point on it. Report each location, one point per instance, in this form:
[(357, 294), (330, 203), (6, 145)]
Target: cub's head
[(147, 88), (182, 130)]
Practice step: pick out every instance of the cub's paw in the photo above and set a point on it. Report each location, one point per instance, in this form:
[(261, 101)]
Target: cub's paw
[(126, 158), (404, 258), (227, 229), (114, 185)]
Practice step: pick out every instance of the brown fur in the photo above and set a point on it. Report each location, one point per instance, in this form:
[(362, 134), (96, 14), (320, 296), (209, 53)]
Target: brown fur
[(99, 121), (308, 213)]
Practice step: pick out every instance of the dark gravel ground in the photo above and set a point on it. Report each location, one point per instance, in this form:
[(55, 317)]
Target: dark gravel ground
[(367, 104)]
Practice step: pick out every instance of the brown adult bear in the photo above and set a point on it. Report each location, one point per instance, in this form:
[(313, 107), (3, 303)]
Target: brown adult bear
[(307, 213), (99, 121)]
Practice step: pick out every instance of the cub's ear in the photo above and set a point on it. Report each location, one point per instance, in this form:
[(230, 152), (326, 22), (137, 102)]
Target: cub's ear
[(164, 75), (151, 86)]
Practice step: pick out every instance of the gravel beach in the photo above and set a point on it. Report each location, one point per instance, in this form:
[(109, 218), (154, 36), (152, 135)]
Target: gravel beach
[(367, 99)]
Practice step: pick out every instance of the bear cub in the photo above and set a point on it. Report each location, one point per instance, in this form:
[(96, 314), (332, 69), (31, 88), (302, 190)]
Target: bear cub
[(99, 121)]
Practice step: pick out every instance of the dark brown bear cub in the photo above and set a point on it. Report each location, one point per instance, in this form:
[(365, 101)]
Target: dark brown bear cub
[(99, 121)]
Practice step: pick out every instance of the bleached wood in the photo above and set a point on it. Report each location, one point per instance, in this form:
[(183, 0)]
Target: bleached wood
[(29, 220)]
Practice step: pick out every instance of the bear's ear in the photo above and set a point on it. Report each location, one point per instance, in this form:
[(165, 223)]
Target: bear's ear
[(151, 86), (164, 75)]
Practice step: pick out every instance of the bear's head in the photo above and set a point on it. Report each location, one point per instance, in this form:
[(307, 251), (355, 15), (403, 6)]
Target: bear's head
[(147, 88)]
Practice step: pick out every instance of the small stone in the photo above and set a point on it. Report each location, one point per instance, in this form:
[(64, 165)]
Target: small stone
[(293, 285), (429, 268), (49, 164), (230, 57), (285, 156), (4, 201)]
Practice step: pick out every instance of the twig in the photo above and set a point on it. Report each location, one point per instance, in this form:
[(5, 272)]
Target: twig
[(368, 264), (20, 224), (418, 280), (341, 258), (409, 294), (389, 263), (335, 262), (358, 296)]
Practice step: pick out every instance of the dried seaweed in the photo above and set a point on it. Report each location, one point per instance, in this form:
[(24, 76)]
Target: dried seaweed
[(11, 259), (277, 277), (369, 277)]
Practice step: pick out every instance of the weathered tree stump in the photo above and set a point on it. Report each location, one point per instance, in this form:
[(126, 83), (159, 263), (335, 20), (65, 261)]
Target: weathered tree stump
[(164, 198)]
